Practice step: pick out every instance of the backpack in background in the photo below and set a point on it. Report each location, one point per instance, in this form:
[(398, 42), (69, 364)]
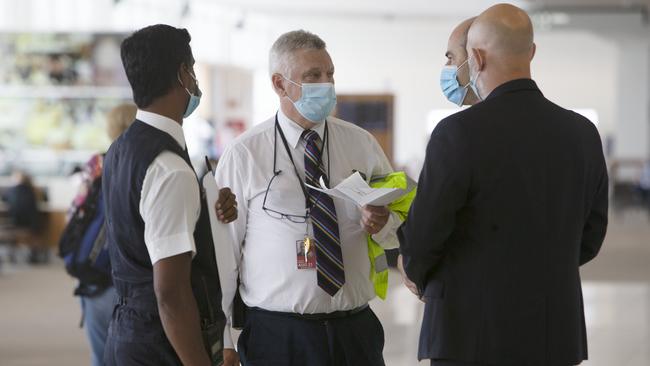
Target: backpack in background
[(83, 244)]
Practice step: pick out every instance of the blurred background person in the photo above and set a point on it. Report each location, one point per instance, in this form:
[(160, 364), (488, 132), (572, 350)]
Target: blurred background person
[(22, 200), (644, 184), (95, 289)]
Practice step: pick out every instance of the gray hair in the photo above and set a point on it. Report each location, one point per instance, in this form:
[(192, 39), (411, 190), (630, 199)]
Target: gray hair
[(284, 47)]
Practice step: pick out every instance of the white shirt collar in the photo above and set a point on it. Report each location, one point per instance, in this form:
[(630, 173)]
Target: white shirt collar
[(164, 124), (293, 131)]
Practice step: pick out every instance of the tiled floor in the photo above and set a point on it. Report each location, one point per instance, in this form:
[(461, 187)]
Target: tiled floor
[(39, 316)]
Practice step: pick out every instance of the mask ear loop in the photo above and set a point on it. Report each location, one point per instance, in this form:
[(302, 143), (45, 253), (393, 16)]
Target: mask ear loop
[(475, 88), (291, 81), (469, 84), (458, 68), (286, 95), (178, 76), (463, 64)]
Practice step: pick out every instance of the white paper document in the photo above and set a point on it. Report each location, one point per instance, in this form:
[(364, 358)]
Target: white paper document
[(354, 188)]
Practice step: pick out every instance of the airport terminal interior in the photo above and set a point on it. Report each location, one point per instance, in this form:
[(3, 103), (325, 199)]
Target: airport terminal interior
[(61, 72)]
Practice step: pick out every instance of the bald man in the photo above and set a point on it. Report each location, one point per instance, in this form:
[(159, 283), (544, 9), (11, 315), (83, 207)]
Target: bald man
[(454, 78), (512, 200), (454, 81)]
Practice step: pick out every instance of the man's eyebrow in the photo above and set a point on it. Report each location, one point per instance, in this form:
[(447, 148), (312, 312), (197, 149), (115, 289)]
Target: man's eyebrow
[(313, 70)]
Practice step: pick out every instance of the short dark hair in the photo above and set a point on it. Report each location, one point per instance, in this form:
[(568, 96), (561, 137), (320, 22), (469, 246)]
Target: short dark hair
[(151, 57)]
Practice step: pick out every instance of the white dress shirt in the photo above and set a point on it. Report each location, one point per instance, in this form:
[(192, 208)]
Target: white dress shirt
[(169, 201), (263, 249)]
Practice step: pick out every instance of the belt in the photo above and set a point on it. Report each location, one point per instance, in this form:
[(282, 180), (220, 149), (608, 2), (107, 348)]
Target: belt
[(317, 316), (151, 306)]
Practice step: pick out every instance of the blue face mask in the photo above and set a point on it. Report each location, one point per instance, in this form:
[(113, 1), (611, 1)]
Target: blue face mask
[(195, 100), (451, 88), (316, 102)]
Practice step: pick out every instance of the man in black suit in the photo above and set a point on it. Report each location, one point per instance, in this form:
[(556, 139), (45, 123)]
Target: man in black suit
[(512, 199)]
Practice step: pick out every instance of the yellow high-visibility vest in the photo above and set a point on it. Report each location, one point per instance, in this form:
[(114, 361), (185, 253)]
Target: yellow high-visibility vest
[(377, 254)]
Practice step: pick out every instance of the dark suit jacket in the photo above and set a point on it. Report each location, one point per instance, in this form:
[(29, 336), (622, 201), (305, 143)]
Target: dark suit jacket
[(511, 201)]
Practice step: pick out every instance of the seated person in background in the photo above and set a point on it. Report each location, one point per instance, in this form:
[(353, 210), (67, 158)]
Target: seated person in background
[(23, 214), (21, 199)]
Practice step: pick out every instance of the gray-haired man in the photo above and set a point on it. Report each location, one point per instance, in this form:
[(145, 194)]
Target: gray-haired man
[(300, 255)]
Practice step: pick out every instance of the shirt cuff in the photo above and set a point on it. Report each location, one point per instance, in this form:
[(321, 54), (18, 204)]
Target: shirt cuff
[(170, 246), (227, 338), (387, 236)]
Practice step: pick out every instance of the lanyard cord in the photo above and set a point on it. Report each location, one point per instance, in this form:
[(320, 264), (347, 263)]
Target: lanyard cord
[(295, 169)]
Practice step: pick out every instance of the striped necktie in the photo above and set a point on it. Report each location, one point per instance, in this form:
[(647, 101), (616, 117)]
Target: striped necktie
[(329, 259)]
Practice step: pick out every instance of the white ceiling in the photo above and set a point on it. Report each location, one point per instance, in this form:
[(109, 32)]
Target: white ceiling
[(591, 3), (418, 7), (120, 15), (352, 8)]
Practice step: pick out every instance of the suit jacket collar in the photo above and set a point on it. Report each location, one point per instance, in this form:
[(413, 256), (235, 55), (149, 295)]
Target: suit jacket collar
[(513, 86)]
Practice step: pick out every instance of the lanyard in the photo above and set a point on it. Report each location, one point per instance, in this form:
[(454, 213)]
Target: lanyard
[(278, 129)]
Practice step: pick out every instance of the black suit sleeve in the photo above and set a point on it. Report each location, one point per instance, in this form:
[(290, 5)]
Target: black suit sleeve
[(442, 191), (595, 228)]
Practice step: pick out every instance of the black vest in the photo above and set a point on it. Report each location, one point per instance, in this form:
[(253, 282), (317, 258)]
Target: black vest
[(125, 166)]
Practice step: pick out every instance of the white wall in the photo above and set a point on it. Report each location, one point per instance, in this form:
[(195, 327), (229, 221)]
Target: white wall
[(633, 129), (578, 69)]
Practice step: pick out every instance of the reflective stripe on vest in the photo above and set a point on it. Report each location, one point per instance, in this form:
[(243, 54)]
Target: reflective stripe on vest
[(377, 254)]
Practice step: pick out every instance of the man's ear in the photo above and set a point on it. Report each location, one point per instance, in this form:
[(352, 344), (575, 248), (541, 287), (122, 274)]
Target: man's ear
[(479, 59), (278, 84), (180, 73), (532, 53)]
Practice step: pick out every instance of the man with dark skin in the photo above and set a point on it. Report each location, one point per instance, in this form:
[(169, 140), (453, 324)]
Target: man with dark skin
[(163, 261)]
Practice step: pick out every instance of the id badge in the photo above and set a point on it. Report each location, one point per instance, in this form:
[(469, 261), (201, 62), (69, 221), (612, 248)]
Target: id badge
[(305, 253)]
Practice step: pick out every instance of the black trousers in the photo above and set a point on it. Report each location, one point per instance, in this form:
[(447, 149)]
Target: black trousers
[(271, 339), (454, 363), (461, 363), (136, 337)]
